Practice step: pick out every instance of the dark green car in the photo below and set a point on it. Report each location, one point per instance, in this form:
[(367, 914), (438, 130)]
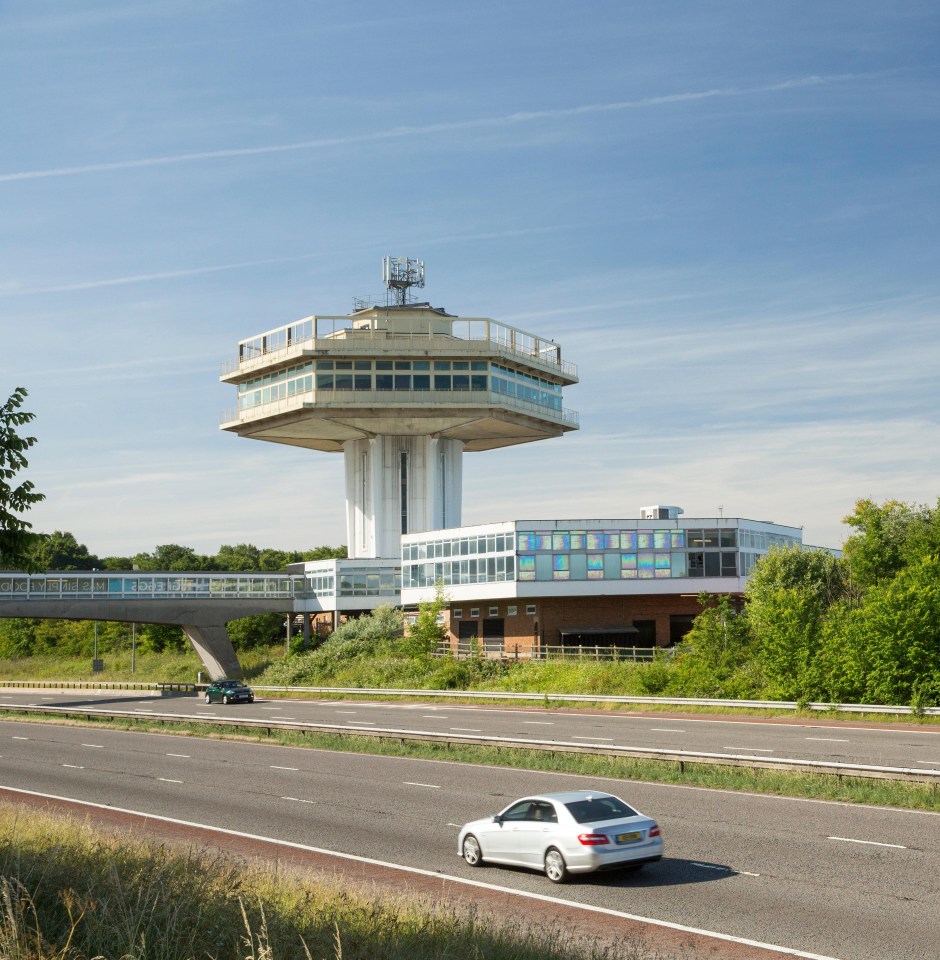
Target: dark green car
[(229, 691)]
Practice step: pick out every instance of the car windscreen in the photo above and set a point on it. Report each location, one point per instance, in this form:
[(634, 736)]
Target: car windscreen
[(593, 809)]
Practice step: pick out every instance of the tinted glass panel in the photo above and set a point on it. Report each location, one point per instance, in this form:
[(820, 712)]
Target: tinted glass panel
[(598, 809)]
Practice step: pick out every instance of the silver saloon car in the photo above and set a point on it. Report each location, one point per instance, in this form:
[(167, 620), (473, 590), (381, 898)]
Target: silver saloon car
[(578, 831)]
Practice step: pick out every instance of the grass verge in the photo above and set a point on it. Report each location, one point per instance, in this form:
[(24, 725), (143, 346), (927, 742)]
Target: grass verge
[(69, 892), (843, 789)]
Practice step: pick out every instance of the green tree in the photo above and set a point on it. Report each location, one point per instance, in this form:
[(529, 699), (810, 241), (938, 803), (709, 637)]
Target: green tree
[(428, 632), (715, 659), (888, 649), (243, 556), (158, 637), (172, 556), (61, 551), (789, 594), (17, 638), (888, 537), (257, 631), (16, 536), (325, 553)]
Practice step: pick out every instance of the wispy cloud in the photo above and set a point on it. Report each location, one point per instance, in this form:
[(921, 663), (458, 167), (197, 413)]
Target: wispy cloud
[(12, 288), (15, 290), (511, 119)]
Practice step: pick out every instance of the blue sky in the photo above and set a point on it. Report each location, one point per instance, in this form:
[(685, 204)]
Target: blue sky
[(726, 213)]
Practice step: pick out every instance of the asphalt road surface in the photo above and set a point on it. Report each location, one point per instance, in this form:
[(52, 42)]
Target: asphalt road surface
[(895, 745), (850, 882)]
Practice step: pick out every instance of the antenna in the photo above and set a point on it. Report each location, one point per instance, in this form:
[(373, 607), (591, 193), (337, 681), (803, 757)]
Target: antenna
[(399, 274)]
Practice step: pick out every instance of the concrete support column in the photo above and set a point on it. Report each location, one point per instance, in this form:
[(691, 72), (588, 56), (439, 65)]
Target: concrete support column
[(413, 482), (215, 650)]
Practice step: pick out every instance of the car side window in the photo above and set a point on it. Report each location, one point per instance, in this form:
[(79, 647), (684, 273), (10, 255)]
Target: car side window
[(519, 811), (545, 812)]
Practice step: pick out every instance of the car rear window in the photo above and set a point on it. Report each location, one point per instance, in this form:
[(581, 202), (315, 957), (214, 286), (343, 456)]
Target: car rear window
[(599, 808)]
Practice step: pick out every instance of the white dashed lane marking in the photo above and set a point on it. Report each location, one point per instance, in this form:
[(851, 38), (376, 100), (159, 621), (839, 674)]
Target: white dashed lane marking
[(432, 786), (828, 739), (295, 769), (870, 843)]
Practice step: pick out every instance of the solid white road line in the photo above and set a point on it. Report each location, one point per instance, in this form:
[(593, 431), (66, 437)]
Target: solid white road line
[(466, 729), (869, 843), (752, 749), (597, 739), (828, 739), (438, 876)]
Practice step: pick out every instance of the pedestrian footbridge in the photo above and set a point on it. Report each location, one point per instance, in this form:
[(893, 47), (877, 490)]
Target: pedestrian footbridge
[(200, 603)]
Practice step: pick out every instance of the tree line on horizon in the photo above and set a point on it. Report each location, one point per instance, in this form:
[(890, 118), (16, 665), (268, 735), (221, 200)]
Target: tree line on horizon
[(60, 551)]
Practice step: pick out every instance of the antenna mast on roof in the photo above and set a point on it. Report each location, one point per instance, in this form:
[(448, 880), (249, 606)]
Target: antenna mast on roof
[(399, 274)]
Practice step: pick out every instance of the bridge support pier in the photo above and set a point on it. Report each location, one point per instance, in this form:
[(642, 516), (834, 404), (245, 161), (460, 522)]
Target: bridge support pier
[(215, 649)]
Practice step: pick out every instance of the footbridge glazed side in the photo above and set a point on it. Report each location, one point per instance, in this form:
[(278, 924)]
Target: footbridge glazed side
[(200, 603)]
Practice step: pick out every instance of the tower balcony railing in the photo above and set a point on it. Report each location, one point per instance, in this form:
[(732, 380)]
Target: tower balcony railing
[(336, 335), (403, 399)]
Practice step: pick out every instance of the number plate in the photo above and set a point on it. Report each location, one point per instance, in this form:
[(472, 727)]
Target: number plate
[(628, 837)]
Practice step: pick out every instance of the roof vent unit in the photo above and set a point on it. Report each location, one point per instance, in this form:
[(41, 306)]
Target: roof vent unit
[(660, 513)]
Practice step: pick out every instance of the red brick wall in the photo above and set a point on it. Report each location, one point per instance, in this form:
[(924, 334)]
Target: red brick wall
[(553, 613)]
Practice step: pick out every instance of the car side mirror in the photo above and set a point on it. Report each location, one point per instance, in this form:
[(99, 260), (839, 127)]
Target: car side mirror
[(497, 819)]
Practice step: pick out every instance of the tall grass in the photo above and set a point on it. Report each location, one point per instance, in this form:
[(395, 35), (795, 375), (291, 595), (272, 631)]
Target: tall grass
[(69, 892)]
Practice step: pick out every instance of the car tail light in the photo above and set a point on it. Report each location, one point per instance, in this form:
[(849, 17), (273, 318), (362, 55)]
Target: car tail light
[(593, 839), (655, 831)]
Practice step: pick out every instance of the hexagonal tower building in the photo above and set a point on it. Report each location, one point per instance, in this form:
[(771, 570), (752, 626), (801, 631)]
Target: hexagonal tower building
[(402, 390)]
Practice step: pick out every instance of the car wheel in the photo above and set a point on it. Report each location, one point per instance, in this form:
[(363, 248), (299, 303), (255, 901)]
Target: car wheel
[(225, 698), (555, 867), (471, 850), (208, 698)]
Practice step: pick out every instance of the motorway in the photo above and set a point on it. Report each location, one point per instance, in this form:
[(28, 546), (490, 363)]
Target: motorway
[(895, 745), (849, 882)]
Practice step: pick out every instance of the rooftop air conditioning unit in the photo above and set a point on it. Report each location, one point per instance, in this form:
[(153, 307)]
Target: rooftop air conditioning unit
[(660, 513)]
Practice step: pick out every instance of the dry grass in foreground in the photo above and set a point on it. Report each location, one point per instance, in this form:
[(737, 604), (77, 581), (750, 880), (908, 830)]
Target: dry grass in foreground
[(69, 892)]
